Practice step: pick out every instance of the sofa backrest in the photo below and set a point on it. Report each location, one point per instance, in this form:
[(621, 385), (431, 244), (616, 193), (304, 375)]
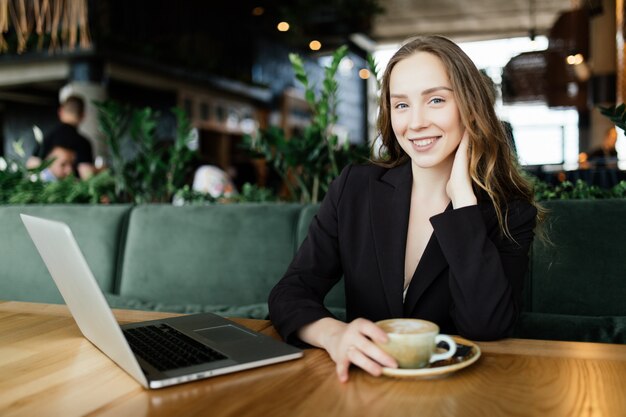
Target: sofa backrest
[(229, 254), (336, 297), (24, 276), (583, 270)]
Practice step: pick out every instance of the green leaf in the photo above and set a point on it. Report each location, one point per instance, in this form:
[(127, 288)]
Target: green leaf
[(295, 60), (330, 85), (310, 97), (308, 162)]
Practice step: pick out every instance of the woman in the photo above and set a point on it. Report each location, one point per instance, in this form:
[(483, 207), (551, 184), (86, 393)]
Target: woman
[(439, 229)]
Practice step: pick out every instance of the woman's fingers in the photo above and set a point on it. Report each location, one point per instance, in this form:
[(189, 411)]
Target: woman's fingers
[(364, 362), (462, 155), (459, 187), (378, 336), (378, 355), (342, 369), (358, 346), (371, 330)]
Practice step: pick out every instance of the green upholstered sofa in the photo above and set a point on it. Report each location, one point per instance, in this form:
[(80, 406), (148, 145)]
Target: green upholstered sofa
[(576, 285), (218, 258), (226, 258)]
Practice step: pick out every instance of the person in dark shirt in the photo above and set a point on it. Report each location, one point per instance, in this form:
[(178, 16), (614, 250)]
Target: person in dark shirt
[(71, 113), (605, 155)]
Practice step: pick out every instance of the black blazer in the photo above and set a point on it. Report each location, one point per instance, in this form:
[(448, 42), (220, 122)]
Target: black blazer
[(468, 281)]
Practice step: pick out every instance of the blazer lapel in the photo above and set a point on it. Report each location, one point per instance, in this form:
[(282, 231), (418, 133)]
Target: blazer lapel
[(390, 204), (429, 267)]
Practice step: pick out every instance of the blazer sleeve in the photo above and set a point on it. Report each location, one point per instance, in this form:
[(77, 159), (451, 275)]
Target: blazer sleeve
[(487, 269), (298, 298)]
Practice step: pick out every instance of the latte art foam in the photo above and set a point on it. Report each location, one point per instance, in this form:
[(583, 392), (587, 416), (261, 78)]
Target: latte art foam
[(408, 326)]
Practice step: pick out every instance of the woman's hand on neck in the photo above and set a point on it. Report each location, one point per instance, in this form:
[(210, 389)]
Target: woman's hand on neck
[(459, 186), (449, 180)]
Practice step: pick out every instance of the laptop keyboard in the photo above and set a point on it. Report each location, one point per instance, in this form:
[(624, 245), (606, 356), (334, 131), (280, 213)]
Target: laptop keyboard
[(166, 348)]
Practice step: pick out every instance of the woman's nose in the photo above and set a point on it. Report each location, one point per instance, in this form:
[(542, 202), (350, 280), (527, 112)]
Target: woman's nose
[(419, 118)]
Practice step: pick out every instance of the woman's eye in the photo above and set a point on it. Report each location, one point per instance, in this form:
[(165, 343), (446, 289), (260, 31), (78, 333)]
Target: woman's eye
[(437, 100), (400, 106)]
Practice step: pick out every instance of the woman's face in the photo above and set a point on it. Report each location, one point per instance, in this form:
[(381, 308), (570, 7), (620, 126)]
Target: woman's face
[(424, 114)]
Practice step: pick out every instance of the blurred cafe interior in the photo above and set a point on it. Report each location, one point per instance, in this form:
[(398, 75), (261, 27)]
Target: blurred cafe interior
[(553, 63), (223, 73)]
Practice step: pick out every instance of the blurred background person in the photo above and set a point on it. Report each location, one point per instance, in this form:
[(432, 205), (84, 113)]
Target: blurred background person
[(606, 154), (210, 179), (66, 135), (62, 165)]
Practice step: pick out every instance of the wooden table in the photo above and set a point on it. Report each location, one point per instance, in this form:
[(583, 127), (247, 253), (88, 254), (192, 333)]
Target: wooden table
[(48, 369)]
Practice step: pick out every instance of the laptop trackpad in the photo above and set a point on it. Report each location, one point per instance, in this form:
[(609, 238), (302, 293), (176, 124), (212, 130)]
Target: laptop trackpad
[(224, 334)]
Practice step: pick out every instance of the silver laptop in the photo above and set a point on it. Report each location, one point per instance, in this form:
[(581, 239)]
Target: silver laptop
[(156, 353)]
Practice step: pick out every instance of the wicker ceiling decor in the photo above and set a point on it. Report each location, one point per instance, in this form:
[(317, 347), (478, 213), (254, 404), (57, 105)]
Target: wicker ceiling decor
[(59, 24)]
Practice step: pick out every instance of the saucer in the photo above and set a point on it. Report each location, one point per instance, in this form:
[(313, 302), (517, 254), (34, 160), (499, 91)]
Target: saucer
[(439, 368)]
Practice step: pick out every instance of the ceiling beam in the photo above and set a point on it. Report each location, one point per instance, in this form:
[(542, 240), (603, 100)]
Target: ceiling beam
[(460, 20), (14, 74)]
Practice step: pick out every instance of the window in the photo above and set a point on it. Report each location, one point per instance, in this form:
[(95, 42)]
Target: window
[(542, 135)]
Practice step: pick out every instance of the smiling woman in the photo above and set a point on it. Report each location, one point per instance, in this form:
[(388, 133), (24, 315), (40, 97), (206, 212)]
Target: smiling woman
[(439, 229), (492, 166), (424, 115), (427, 125)]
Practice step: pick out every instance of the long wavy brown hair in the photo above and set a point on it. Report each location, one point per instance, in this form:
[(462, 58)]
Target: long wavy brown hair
[(492, 164)]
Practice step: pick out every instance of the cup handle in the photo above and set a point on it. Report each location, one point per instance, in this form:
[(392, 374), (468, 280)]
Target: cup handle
[(446, 355)]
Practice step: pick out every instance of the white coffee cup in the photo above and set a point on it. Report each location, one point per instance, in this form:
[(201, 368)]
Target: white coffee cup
[(413, 342)]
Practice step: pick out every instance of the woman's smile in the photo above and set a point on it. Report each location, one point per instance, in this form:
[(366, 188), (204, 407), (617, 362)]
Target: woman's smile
[(424, 114), (422, 144)]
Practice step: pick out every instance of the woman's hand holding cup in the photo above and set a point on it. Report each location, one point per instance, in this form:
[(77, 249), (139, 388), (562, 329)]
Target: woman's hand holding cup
[(358, 343)]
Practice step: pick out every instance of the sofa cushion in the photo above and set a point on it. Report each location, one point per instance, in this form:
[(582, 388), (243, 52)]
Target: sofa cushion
[(251, 311), (336, 299), (306, 215), (605, 329), (582, 272), (229, 254), (98, 230)]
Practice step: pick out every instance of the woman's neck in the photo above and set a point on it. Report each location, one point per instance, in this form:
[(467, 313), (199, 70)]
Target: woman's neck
[(431, 182)]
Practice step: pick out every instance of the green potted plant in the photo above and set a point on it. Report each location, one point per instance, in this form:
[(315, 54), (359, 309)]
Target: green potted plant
[(153, 173), (309, 161)]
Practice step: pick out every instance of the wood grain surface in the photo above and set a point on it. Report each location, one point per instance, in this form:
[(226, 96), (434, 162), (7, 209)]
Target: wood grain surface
[(48, 369)]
